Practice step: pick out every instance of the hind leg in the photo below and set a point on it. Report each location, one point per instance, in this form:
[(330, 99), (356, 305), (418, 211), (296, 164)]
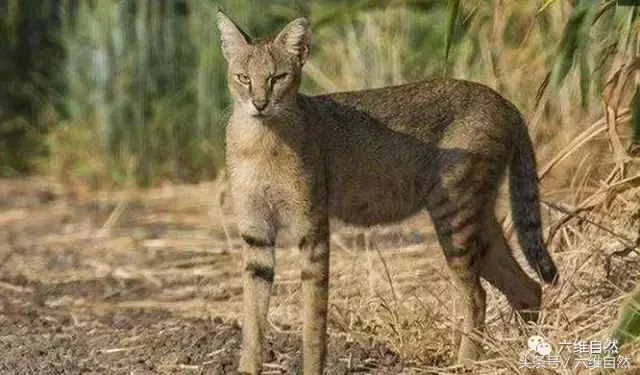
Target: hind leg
[(475, 300), (500, 269), (457, 236)]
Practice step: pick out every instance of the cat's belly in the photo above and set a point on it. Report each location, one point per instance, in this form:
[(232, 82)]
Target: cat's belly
[(372, 200)]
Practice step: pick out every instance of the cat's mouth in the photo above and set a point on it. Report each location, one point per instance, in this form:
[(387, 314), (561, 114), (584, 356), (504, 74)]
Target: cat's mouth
[(259, 113), (262, 114)]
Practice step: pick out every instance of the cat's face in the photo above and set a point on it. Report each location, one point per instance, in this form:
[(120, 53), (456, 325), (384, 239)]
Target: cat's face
[(264, 76)]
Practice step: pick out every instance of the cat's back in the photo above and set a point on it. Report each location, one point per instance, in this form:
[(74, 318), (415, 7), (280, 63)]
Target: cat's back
[(407, 108)]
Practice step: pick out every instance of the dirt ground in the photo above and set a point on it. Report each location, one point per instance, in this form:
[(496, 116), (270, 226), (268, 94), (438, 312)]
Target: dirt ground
[(149, 283), (89, 285)]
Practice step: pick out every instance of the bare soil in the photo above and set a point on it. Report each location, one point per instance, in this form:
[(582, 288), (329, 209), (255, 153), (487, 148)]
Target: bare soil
[(150, 292), (148, 282)]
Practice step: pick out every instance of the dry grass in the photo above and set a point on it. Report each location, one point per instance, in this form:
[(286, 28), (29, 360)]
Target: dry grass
[(390, 289), (389, 285), (176, 248)]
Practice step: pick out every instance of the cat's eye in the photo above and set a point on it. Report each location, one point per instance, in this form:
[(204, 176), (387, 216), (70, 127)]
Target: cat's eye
[(278, 78), (245, 80)]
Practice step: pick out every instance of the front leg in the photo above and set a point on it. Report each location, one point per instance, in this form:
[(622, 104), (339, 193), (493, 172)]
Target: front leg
[(314, 248), (258, 274)]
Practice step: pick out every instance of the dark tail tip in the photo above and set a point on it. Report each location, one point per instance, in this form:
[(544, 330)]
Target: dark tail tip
[(548, 272)]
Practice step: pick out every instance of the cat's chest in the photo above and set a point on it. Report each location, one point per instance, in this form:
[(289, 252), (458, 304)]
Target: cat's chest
[(266, 170), (272, 184), (259, 154)]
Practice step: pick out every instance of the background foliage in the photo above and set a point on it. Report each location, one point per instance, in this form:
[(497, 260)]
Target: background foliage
[(133, 91)]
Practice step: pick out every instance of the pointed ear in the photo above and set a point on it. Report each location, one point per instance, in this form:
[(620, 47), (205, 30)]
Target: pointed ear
[(294, 38), (232, 38)]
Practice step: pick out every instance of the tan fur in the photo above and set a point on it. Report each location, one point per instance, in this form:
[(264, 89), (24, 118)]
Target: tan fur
[(372, 157)]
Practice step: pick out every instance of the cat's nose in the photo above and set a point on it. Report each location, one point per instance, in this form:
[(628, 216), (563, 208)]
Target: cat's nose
[(260, 104)]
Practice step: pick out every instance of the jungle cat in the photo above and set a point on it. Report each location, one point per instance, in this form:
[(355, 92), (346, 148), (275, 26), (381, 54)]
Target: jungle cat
[(372, 157)]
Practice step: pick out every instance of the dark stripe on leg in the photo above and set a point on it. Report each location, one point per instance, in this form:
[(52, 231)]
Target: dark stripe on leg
[(306, 275), (470, 219), (259, 271), (455, 252), (257, 242), (444, 215)]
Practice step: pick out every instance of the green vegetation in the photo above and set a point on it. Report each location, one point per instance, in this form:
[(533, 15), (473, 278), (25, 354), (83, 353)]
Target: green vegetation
[(132, 92), (628, 327), (121, 93)]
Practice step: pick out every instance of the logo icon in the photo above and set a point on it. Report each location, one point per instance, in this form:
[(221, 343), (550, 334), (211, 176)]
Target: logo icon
[(539, 345)]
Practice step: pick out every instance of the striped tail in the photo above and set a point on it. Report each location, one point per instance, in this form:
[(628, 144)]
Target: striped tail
[(525, 206)]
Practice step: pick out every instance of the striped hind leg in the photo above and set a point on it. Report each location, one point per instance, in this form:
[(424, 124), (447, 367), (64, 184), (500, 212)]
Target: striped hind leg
[(503, 272), (457, 230)]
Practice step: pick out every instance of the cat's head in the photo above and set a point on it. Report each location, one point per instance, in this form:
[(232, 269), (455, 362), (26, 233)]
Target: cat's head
[(264, 75)]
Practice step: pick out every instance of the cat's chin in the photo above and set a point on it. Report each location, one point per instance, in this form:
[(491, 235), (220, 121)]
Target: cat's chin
[(262, 115), (252, 113)]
